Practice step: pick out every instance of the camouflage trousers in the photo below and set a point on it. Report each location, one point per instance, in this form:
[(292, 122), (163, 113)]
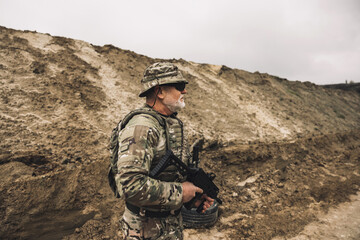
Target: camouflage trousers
[(141, 227)]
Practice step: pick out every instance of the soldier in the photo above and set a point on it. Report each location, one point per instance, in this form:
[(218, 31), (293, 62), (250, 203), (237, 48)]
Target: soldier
[(153, 205)]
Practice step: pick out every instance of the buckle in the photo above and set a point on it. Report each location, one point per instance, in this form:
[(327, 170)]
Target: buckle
[(151, 214)]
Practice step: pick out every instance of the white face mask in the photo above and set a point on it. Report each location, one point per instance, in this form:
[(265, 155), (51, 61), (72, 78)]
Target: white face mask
[(175, 106)]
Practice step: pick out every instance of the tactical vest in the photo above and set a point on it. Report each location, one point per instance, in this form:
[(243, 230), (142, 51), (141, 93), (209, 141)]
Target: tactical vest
[(174, 136)]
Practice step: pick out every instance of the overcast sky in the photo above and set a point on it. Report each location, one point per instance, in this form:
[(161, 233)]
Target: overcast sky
[(305, 40)]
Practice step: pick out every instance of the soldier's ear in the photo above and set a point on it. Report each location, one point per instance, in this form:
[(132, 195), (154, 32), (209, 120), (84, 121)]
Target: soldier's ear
[(160, 92)]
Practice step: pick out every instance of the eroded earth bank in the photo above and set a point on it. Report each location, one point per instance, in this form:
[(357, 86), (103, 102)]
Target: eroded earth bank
[(286, 153)]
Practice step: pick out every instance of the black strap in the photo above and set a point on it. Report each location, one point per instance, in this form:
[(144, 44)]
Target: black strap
[(136, 210)]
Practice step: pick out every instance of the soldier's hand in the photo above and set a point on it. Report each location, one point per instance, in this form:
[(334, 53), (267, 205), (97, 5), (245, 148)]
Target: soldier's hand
[(189, 191), (208, 202)]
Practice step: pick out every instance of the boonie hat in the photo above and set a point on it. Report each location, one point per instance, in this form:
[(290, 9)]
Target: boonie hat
[(160, 73)]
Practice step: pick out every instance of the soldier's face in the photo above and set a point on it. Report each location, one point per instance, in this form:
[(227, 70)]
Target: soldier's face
[(174, 99)]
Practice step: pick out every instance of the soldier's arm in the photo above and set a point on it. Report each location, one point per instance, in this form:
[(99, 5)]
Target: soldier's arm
[(136, 151)]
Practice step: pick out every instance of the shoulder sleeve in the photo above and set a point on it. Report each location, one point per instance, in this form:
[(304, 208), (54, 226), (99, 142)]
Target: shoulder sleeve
[(137, 142)]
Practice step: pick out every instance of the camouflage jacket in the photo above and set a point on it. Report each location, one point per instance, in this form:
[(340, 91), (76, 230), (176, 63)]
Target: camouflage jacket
[(142, 143)]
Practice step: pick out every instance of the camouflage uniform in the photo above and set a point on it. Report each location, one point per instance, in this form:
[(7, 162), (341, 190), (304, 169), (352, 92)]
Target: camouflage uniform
[(142, 143)]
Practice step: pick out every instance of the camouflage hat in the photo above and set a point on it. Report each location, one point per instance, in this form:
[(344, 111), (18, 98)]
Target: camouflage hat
[(159, 74)]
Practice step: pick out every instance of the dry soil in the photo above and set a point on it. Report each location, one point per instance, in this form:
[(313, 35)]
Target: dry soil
[(286, 153)]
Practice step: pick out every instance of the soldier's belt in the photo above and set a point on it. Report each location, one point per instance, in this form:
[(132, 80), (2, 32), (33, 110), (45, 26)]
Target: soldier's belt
[(136, 210)]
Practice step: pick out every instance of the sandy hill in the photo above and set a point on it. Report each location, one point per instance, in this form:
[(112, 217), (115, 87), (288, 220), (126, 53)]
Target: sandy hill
[(60, 99)]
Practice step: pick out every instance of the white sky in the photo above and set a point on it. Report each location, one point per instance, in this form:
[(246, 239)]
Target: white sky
[(305, 40)]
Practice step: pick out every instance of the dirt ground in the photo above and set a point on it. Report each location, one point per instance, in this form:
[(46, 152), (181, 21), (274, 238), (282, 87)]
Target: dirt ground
[(276, 189), (286, 153)]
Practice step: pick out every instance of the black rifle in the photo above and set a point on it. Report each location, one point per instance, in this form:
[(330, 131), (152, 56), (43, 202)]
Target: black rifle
[(193, 174)]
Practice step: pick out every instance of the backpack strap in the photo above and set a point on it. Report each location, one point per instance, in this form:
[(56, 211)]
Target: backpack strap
[(150, 112)]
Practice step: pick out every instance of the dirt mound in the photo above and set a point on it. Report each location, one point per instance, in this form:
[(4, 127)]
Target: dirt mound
[(276, 189), (284, 151)]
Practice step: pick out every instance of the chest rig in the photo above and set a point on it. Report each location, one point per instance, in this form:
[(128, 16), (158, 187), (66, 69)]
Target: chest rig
[(173, 134)]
